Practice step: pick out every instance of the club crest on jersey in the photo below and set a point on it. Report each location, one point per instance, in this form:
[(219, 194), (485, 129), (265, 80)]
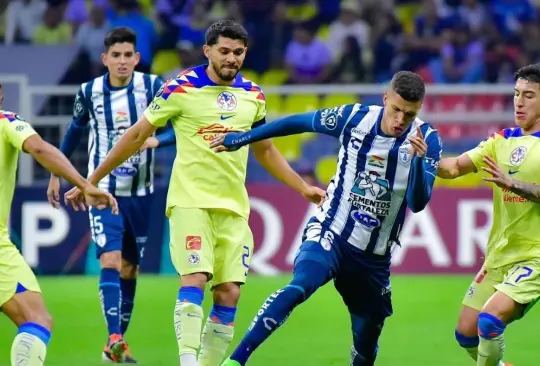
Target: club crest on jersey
[(371, 194), (404, 154), (227, 101), (518, 155)]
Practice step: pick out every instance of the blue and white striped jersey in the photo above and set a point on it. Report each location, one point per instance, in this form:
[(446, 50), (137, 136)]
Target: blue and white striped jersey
[(367, 198), (109, 112)]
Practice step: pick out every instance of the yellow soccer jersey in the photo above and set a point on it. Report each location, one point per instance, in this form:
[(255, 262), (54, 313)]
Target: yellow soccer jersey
[(14, 131), (199, 110), (514, 235)]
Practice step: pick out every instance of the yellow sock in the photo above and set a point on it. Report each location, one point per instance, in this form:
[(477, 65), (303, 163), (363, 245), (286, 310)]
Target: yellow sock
[(490, 351), (30, 345), (188, 323), (216, 339)]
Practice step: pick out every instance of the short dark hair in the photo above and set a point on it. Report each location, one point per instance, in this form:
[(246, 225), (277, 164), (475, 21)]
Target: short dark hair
[(531, 73), (225, 28), (119, 35), (409, 86)]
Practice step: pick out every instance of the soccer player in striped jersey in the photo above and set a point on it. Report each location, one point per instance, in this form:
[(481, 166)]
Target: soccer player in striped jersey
[(508, 284), (387, 162), (207, 203), (20, 294), (108, 106)]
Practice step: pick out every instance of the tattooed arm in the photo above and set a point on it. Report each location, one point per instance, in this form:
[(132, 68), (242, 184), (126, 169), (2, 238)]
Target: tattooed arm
[(529, 191)]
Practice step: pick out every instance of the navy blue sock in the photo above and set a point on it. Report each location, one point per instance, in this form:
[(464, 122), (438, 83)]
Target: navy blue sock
[(308, 277), (191, 294), (109, 292), (128, 287)]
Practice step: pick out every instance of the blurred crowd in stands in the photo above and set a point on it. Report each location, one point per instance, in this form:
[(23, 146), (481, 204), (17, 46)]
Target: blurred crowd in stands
[(314, 41)]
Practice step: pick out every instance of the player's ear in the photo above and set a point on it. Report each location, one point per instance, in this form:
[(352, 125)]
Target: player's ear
[(137, 58), (384, 97), (104, 59), (206, 51)]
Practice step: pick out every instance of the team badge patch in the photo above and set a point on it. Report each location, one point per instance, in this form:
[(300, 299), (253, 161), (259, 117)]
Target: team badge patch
[(404, 154), (227, 101), (517, 156), (194, 259)]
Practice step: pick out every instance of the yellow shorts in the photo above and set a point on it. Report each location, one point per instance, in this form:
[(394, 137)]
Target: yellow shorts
[(520, 282), (13, 271), (216, 242)]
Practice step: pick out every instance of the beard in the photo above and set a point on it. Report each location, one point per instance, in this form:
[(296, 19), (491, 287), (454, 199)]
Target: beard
[(225, 77)]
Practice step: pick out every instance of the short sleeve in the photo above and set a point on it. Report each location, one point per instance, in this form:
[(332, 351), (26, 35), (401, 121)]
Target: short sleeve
[(261, 110), (17, 130), (165, 105), (486, 147)]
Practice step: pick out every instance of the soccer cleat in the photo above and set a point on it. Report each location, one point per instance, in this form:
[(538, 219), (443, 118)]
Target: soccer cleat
[(107, 356), (229, 362), (127, 356), (115, 351)]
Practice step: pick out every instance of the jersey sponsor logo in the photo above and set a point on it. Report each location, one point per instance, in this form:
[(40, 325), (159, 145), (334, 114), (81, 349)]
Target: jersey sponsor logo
[(193, 242), (367, 222), (371, 194), (11, 117), (121, 117), (209, 132), (227, 101), (124, 171), (98, 109), (517, 156)]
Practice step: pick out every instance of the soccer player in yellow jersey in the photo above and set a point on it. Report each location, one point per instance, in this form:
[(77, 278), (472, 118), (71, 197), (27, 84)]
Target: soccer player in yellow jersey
[(508, 284), (208, 205), (20, 295)]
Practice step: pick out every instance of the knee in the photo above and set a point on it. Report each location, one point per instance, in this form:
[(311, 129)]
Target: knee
[(466, 341), (309, 276), (129, 270), (226, 294), (111, 260), (489, 326)]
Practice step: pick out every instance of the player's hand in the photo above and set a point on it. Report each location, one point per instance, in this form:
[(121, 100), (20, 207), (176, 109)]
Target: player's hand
[(225, 142), (151, 143), (418, 143), (75, 198), (497, 175), (99, 199), (314, 195), (53, 192)]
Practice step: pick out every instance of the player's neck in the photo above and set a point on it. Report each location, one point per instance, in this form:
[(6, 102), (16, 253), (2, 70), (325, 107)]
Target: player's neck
[(119, 83), (216, 79), (533, 129)]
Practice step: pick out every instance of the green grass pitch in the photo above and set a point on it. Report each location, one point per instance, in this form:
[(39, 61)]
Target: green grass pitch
[(421, 331)]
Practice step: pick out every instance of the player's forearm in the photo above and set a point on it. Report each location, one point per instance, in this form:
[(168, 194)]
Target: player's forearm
[(58, 164), (421, 185), (529, 191), (126, 147), (290, 125), (448, 168), (272, 160), (166, 138)]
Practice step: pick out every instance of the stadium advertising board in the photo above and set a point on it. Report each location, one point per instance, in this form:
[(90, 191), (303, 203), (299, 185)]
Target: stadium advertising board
[(449, 236)]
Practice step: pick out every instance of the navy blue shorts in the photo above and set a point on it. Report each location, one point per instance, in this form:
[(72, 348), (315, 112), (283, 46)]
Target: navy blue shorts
[(363, 280), (126, 231)]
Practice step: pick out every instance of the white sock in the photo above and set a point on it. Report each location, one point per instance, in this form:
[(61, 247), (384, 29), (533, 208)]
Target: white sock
[(188, 324), (30, 345), (473, 352), (216, 339)]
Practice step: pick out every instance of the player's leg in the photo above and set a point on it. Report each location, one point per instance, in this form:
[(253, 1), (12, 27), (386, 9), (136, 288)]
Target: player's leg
[(136, 218), (192, 252), (107, 233), (515, 295), (232, 256), (369, 277), (21, 301), (480, 290), (314, 267)]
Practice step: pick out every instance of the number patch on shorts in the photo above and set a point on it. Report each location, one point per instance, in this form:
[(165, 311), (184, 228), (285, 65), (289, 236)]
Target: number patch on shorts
[(245, 258), (519, 274)]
